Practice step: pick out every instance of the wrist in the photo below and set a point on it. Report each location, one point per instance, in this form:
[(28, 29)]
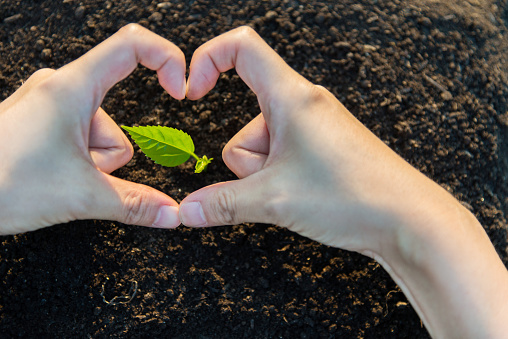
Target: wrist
[(448, 269)]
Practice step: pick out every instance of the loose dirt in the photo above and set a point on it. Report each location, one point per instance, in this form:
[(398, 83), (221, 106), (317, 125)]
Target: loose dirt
[(428, 77)]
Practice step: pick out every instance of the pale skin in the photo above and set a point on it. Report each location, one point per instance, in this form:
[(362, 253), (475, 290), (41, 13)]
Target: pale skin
[(354, 194), (65, 144)]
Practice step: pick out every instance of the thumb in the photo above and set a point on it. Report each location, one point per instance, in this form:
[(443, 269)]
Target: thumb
[(229, 203), (133, 204)]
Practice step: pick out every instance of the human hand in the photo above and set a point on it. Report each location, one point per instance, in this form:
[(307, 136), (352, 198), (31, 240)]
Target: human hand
[(59, 146), (305, 163)]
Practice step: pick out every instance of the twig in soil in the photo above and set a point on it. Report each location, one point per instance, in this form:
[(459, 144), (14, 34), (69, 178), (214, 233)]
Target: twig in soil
[(435, 83), (445, 94), (121, 299), (386, 301)]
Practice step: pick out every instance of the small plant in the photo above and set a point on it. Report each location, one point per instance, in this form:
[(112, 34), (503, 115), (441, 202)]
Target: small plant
[(167, 146)]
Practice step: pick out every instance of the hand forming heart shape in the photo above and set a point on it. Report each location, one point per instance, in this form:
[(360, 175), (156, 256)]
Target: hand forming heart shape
[(288, 171), (304, 163)]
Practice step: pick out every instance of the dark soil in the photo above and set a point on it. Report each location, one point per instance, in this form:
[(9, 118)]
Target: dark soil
[(428, 79)]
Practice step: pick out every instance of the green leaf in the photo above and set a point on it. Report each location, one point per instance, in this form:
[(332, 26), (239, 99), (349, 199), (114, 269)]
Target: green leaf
[(166, 146), (202, 164)]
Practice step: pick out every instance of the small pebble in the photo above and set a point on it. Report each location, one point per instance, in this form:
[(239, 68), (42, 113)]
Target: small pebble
[(80, 12), (446, 95), (155, 17), (366, 84), (334, 31), (205, 115), (320, 18), (13, 18), (425, 22), (164, 5), (270, 15), (144, 22), (357, 7), (39, 45), (342, 44), (503, 119), (369, 48), (46, 54)]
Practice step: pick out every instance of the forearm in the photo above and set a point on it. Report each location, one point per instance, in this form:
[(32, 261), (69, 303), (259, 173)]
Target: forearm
[(309, 165), (450, 272)]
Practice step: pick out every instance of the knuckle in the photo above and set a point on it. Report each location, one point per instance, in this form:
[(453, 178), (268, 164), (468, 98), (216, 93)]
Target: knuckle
[(51, 83), (131, 29), (306, 95), (320, 88), (316, 98), (42, 73), (39, 77), (318, 94), (135, 207), (246, 31), (246, 35), (224, 209)]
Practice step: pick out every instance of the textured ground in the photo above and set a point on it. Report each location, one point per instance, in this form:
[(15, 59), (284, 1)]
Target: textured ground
[(428, 77)]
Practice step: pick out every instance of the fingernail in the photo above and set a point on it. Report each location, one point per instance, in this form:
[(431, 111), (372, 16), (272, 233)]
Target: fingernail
[(192, 214), (167, 217)]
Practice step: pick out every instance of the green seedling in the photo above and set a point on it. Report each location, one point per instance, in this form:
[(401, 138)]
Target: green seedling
[(167, 146)]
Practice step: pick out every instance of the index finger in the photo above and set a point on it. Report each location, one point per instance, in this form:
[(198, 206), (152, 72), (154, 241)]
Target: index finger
[(259, 66), (114, 59)]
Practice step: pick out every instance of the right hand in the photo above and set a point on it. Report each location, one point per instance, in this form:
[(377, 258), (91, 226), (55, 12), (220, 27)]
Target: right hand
[(305, 162), (62, 145)]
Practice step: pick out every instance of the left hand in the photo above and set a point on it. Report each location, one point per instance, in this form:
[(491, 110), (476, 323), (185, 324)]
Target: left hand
[(58, 146)]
